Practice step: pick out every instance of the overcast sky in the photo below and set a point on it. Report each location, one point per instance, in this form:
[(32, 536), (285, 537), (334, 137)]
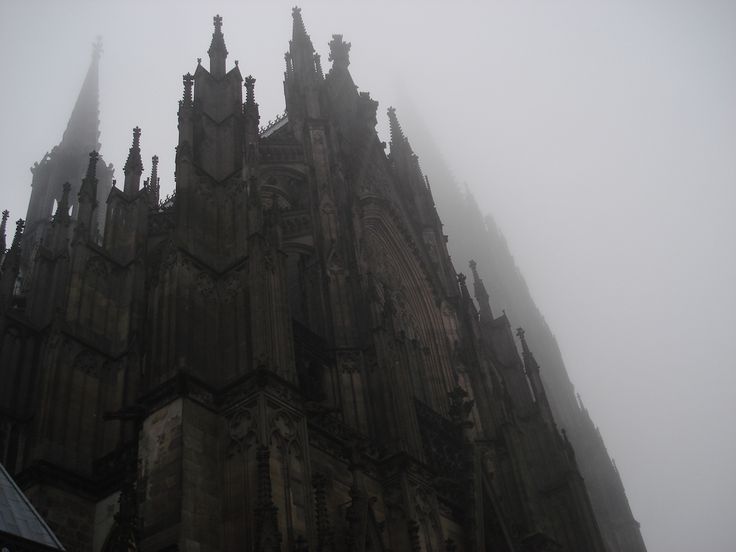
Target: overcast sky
[(600, 135)]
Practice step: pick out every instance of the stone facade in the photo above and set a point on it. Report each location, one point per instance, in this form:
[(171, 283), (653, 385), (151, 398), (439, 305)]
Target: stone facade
[(281, 355)]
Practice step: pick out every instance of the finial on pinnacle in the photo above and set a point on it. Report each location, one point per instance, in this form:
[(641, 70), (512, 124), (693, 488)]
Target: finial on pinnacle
[(473, 265), (339, 52), (217, 50), (520, 333), (299, 31), (188, 80), (137, 137), (92, 166), (250, 82)]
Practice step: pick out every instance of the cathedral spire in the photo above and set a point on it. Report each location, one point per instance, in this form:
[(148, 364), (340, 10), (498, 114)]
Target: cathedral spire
[(299, 36), (67, 163), (301, 51), (83, 129), (481, 295), (217, 51), (133, 165)]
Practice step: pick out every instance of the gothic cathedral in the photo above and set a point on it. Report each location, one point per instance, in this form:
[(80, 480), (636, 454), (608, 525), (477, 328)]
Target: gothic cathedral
[(279, 356)]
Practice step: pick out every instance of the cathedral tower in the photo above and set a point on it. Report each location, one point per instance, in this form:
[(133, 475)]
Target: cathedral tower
[(66, 163)]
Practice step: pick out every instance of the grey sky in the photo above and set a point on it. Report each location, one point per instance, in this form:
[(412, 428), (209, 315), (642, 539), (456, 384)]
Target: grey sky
[(600, 135)]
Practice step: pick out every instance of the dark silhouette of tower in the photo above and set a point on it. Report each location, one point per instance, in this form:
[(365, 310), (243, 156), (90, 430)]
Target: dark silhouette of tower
[(279, 356), (66, 163)]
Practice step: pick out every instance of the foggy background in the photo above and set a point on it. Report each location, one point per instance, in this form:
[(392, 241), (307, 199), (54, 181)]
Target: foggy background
[(599, 135)]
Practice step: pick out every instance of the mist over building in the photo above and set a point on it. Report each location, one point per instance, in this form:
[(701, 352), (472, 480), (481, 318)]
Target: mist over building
[(474, 235), (116, 351)]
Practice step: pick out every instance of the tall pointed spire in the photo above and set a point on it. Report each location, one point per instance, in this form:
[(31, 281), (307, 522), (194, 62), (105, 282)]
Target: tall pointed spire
[(301, 51), (133, 165), (302, 77), (299, 36), (83, 129), (217, 51), (67, 163), (481, 295)]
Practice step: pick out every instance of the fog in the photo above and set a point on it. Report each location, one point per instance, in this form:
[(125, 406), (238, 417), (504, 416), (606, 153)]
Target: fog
[(599, 135)]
